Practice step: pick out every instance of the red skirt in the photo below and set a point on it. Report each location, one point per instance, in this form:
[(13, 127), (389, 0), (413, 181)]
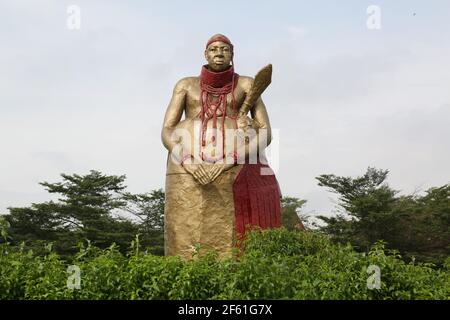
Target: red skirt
[(256, 198)]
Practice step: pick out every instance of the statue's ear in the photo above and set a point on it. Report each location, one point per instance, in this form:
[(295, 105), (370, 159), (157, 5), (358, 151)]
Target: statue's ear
[(206, 54)]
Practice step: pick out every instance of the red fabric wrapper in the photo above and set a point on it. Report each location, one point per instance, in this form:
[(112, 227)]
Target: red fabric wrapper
[(256, 199)]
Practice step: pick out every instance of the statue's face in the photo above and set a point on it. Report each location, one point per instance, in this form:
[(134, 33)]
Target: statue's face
[(218, 54)]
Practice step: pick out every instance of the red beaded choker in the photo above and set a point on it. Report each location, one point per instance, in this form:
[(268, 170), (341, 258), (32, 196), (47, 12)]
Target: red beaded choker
[(216, 79)]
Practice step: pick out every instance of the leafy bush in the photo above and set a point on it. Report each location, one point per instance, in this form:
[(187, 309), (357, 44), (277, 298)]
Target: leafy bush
[(273, 264), (416, 225)]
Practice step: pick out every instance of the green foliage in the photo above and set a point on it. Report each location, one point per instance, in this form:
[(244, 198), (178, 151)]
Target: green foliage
[(149, 209), (40, 242), (90, 207), (4, 226), (274, 264), (290, 208), (417, 226)]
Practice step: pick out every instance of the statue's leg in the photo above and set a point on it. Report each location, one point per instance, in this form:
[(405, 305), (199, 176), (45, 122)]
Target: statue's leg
[(199, 216), (182, 212), (218, 230)]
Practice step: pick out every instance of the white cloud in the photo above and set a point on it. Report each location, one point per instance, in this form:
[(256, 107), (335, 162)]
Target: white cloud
[(95, 99), (297, 31)]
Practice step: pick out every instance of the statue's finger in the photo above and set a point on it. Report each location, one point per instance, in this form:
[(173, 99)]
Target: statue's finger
[(203, 178), (197, 177), (207, 172), (216, 174), (213, 171), (210, 174), (204, 172), (219, 171)]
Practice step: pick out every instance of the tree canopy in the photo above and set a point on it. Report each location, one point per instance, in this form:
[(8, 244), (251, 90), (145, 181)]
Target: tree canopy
[(370, 210), (90, 207)]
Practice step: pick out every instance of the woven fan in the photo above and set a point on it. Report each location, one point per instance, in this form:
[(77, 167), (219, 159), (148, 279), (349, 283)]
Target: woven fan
[(262, 80)]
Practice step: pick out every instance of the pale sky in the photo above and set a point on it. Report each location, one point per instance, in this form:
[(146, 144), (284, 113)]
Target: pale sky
[(343, 96)]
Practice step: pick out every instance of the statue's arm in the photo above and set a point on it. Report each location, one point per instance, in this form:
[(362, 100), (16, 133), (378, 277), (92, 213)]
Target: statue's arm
[(260, 116), (173, 114)]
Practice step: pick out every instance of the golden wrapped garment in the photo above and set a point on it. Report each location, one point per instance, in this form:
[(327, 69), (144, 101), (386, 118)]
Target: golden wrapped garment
[(204, 217), (198, 216)]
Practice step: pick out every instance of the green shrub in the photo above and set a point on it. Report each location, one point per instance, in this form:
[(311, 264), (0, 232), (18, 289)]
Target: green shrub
[(274, 264)]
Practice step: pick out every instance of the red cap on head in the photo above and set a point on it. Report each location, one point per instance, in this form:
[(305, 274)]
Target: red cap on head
[(219, 37)]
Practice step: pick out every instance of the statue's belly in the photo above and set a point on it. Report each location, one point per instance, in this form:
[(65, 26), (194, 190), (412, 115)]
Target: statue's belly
[(209, 142), (206, 145)]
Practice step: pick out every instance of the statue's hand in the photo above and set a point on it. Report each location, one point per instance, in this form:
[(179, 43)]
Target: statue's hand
[(198, 172), (207, 173), (244, 122), (217, 169)]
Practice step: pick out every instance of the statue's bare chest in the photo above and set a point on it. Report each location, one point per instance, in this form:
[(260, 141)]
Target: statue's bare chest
[(193, 103)]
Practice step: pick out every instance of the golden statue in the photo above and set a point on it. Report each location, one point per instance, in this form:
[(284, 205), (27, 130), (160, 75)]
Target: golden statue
[(218, 182)]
